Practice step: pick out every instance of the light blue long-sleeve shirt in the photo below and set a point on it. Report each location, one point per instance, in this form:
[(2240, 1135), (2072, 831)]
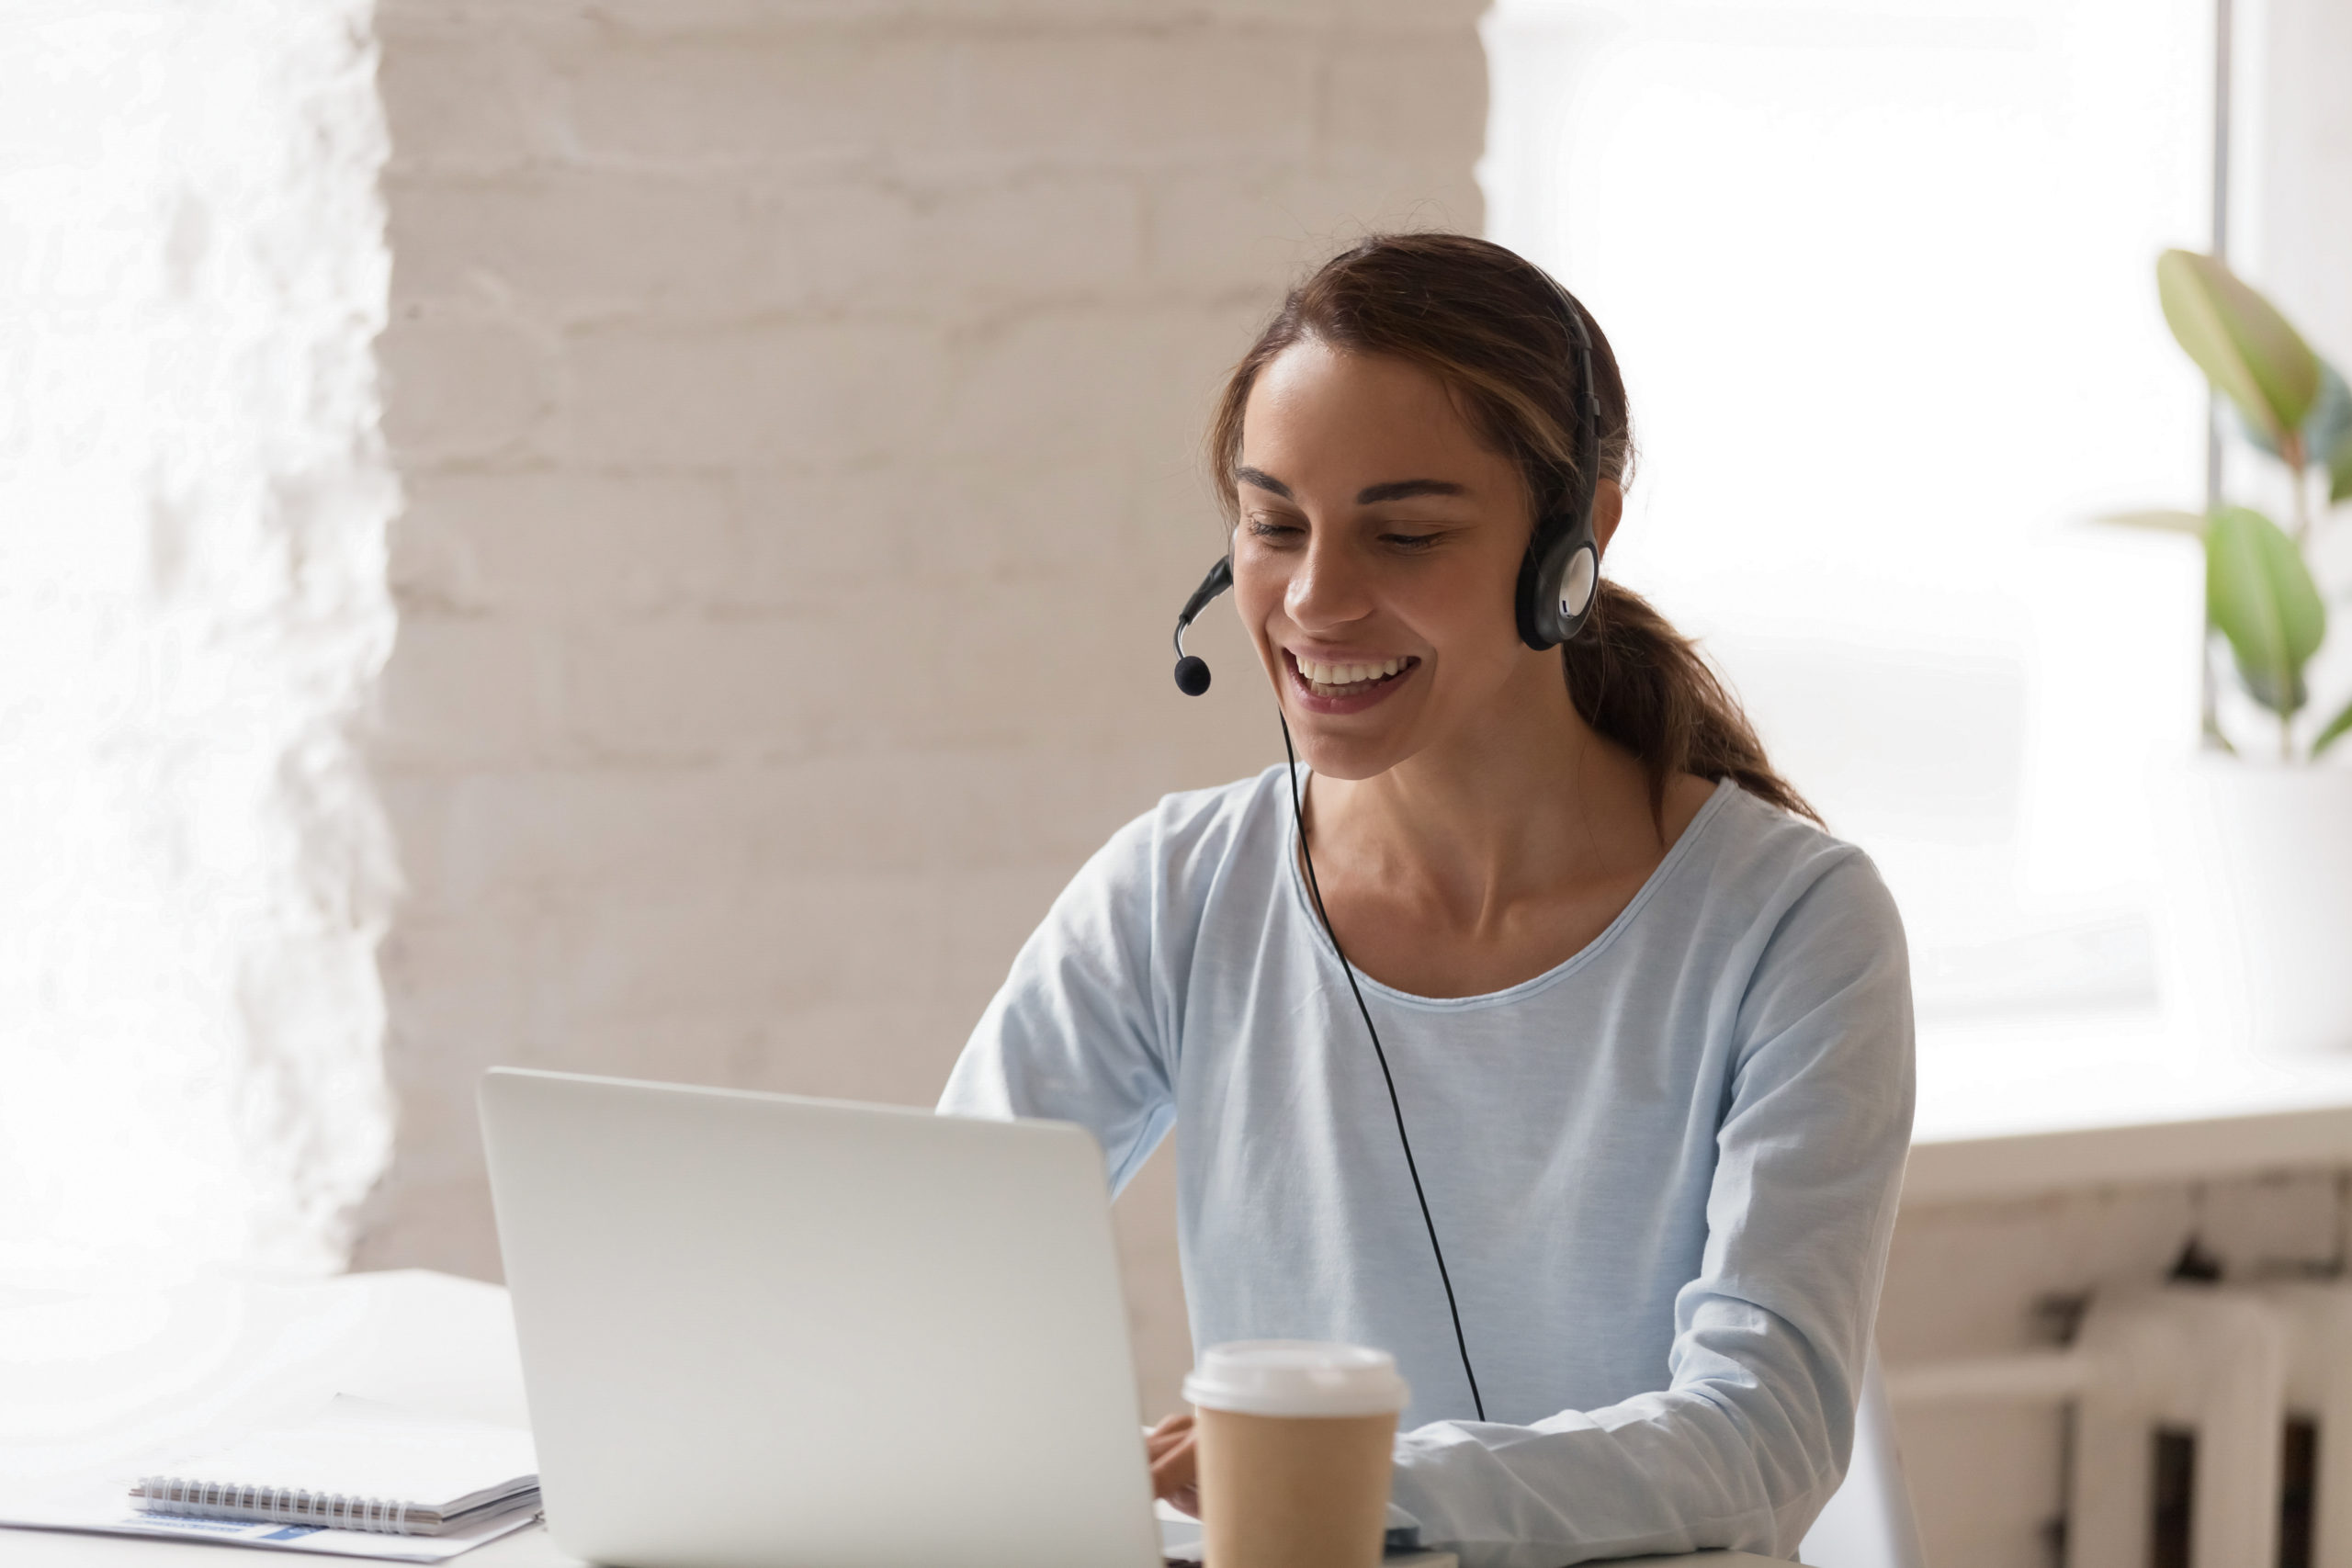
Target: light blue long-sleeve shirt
[(1664, 1172)]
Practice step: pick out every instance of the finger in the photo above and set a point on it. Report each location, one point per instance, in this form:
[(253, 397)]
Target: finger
[(1168, 1472), (1167, 1434), (1174, 1470)]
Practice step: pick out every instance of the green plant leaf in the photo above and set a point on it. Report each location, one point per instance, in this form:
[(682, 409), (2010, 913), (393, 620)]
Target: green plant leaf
[(2260, 595), (2327, 429), (2156, 520), (2339, 474), (2338, 728), (2241, 342)]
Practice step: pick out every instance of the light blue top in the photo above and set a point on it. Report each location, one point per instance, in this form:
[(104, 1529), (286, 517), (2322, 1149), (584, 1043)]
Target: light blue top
[(1664, 1173)]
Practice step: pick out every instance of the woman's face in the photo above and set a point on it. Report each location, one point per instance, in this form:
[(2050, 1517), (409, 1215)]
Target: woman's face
[(1375, 561)]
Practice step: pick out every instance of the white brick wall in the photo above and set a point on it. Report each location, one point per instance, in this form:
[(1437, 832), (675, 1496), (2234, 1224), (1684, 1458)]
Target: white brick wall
[(797, 405)]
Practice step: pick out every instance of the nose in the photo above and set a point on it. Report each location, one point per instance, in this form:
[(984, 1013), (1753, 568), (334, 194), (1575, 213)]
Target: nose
[(1330, 588)]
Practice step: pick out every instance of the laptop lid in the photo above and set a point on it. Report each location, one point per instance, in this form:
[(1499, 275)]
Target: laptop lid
[(763, 1329)]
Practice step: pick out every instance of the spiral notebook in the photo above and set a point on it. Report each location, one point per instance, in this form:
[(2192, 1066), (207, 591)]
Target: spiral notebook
[(359, 1479), (358, 1465)]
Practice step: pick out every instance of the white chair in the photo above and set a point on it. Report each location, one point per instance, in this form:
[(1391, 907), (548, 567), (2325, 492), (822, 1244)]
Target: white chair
[(1868, 1523)]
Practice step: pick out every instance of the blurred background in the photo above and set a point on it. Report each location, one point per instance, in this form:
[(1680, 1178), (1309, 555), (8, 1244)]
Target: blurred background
[(639, 536)]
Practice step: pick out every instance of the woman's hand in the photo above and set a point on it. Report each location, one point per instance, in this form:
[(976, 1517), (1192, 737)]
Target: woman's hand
[(1169, 1446)]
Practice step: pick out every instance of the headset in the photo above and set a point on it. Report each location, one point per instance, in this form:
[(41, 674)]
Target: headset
[(1552, 604)]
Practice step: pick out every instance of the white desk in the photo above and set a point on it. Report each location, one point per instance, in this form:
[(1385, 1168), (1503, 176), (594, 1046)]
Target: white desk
[(93, 1380), (86, 1382)]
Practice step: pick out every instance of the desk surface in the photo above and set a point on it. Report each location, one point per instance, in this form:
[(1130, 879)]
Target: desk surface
[(93, 1380)]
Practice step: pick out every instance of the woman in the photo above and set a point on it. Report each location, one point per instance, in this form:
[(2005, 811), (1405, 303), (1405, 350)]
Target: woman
[(1648, 1026)]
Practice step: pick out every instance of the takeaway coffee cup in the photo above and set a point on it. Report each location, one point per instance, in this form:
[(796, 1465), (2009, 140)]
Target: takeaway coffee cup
[(1292, 1444)]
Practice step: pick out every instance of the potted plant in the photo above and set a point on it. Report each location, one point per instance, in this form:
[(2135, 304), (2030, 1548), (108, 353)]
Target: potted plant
[(2257, 857)]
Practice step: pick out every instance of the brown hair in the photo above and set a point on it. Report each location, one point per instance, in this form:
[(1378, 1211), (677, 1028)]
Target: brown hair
[(1489, 326)]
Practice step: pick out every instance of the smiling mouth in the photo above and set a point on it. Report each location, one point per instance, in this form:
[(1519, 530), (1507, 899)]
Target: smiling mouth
[(1347, 679)]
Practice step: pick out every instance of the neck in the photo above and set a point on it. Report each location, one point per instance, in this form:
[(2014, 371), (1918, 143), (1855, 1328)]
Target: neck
[(1521, 802)]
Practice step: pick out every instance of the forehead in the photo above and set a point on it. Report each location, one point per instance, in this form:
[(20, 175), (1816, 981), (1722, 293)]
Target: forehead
[(1320, 416)]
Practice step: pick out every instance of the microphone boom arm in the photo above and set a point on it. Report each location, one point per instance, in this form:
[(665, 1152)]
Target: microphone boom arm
[(1192, 673)]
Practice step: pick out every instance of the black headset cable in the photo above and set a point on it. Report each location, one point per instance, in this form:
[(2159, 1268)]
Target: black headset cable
[(1298, 816)]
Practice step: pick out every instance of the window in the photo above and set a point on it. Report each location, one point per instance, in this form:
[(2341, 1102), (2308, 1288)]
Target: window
[(1880, 277), (192, 606)]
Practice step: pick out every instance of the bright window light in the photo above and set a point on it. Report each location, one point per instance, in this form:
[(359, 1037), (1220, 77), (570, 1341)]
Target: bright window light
[(1881, 277), (192, 608)]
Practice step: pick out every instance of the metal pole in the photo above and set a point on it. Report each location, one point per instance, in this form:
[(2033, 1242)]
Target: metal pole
[(2221, 201), (2221, 31)]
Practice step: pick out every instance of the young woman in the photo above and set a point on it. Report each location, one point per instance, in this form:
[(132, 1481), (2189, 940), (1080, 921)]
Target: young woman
[(1648, 1026)]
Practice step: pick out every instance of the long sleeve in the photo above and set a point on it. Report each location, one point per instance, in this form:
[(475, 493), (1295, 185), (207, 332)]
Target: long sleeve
[(1076, 1031), (1751, 1435)]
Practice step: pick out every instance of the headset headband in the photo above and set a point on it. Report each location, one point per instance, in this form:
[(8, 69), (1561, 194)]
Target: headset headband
[(1559, 578)]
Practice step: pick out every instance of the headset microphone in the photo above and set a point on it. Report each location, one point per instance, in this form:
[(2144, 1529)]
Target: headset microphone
[(1192, 670)]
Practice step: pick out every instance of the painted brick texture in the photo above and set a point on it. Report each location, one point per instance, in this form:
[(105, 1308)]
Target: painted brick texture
[(798, 408)]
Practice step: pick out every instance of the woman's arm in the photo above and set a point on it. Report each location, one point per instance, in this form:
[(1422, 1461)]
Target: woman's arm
[(1752, 1434), (1076, 1032)]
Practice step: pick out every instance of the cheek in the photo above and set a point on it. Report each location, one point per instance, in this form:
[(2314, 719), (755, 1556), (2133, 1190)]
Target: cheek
[(1257, 595), (1463, 615)]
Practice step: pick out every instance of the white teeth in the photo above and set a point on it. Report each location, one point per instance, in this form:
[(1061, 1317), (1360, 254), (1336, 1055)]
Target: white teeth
[(1348, 674)]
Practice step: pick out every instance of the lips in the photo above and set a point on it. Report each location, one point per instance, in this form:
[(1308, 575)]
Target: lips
[(1345, 680)]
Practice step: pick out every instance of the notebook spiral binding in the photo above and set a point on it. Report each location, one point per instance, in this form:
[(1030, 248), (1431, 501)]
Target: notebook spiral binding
[(271, 1504)]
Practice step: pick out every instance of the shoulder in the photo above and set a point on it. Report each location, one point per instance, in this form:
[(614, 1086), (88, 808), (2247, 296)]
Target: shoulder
[(1779, 873), (1189, 837), (1814, 945)]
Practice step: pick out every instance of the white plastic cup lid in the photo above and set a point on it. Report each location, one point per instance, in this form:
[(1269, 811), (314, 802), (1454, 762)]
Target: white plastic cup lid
[(1297, 1377)]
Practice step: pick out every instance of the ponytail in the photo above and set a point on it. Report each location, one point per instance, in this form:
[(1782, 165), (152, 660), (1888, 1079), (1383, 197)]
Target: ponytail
[(1645, 686)]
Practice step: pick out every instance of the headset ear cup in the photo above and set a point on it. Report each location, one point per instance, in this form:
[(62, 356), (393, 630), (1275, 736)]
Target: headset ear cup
[(1530, 600), (1558, 586), (1578, 587)]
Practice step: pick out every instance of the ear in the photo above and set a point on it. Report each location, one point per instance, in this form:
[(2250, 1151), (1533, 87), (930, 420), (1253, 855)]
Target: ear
[(1608, 507)]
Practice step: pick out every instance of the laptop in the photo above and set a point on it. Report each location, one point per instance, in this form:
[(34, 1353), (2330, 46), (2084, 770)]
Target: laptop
[(758, 1329)]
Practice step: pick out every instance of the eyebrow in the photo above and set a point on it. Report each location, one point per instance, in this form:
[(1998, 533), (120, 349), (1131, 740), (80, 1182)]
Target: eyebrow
[(1404, 490), (1395, 490)]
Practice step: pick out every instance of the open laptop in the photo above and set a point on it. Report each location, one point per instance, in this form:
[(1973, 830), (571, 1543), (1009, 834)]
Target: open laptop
[(758, 1329)]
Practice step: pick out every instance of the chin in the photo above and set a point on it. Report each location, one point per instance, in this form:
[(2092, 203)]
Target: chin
[(1353, 757)]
